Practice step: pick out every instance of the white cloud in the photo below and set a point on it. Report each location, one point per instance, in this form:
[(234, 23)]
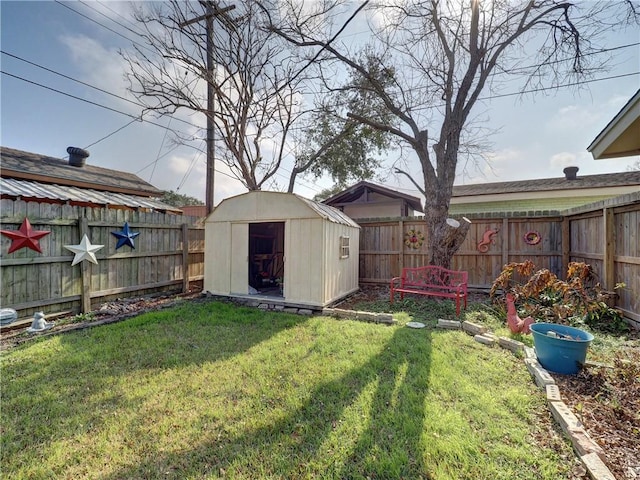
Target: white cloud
[(101, 67), (562, 160)]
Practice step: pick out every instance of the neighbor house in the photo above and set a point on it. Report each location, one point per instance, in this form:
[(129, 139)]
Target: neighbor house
[(368, 200), (545, 194)]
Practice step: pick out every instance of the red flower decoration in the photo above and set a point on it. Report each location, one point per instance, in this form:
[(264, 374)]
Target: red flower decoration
[(25, 237)]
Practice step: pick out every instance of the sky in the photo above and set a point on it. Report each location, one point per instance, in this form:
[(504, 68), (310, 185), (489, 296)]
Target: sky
[(537, 135)]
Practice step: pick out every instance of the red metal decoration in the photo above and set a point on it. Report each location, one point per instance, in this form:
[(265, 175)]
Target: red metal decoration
[(532, 238), (487, 240), (25, 236)]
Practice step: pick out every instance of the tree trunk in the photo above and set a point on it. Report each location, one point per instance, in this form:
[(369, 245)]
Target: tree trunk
[(445, 238)]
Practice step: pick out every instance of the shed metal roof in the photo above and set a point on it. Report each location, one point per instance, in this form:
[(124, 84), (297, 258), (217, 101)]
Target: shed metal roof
[(330, 213), (46, 192)]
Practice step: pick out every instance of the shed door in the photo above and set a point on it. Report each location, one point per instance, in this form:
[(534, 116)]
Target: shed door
[(239, 258)]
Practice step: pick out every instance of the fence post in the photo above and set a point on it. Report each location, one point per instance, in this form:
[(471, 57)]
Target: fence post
[(401, 237), (85, 269), (506, 245), (566, 244), (608, 258), (185, 258)]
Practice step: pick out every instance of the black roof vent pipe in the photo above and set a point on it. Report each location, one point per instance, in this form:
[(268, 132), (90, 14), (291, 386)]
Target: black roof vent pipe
[(571, 173), (77, 156)]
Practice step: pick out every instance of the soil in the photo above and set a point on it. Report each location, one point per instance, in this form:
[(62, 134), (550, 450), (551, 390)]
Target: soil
[(605, 397)]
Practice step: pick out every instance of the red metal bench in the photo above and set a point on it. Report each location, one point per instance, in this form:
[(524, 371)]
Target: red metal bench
[(433, 281)]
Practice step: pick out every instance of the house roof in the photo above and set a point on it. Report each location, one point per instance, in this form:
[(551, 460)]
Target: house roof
[(621, 136), (621, 179), (355, 191), (50, 192), (43, 169)]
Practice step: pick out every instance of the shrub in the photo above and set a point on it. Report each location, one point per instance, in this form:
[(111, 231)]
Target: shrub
[(541, 294)]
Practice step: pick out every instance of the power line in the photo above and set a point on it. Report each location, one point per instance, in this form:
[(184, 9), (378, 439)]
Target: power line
[(120, 97), (91, 102), (102, 25), (71, 78), (155, 164), (114, 132), (110, 18)]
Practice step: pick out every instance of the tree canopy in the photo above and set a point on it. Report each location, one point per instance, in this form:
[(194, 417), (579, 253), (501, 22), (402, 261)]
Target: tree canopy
[(442, 55)]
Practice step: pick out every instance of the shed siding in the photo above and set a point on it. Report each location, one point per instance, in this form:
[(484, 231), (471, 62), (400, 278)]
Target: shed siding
[(341, 274), (239, 258), (303, 261), (217, 263)]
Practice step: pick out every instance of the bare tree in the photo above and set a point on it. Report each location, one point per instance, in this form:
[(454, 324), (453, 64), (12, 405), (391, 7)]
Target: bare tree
[(256, 81), (444, 55), (259, 84)]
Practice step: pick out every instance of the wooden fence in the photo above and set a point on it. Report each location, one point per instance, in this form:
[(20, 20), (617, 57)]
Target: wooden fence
[(604, 235), (168, 256), (169, 253)]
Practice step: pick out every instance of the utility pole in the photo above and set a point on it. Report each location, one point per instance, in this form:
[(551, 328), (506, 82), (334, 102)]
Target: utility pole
[(211, 12)]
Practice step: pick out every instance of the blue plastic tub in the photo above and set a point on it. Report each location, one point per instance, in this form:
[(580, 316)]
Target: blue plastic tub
[(564, 350)]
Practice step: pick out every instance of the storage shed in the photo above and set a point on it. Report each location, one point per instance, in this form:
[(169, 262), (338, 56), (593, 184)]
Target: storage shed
[(281, 247)]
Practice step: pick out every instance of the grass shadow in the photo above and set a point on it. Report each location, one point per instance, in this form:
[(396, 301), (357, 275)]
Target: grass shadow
[(81, 372), (367, 422)]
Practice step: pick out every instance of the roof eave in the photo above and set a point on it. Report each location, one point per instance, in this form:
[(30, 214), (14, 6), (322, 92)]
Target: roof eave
[(621, 136)]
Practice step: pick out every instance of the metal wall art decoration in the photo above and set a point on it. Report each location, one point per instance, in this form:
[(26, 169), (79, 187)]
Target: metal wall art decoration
[(84, 251), (414, 239), (532, 238), (25, 237), (125, 237), (487, 240)]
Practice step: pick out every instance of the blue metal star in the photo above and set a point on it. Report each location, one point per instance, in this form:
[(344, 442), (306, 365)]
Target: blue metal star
[(125, 237)]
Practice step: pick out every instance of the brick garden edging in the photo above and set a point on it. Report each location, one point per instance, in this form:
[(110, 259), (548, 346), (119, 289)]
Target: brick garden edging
[(590, 453)]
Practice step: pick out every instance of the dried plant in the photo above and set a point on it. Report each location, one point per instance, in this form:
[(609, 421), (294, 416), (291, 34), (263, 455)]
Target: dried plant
[(541, 294)]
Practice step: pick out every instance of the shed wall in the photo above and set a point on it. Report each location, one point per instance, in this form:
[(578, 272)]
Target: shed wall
[(217, 265), (304, 256), (341, 274)]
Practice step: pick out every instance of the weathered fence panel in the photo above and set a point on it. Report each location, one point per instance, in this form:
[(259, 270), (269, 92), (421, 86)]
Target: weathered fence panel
[(605, 235), (168, 255), (385, 249)]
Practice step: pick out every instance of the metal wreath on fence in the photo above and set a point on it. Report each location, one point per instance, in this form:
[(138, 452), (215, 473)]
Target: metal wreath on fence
[(532, 238), (414, 239)]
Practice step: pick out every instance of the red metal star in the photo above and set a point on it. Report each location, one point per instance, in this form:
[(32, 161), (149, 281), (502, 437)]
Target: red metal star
[(25, 236)]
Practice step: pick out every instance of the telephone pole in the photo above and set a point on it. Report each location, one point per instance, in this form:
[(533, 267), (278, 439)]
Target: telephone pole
[(211, 12)]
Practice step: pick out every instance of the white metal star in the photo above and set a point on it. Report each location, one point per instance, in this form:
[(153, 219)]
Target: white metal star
[(84, 251)]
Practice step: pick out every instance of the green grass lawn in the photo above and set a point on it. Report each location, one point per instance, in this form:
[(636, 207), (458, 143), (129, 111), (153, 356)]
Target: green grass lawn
[(211, 390)]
